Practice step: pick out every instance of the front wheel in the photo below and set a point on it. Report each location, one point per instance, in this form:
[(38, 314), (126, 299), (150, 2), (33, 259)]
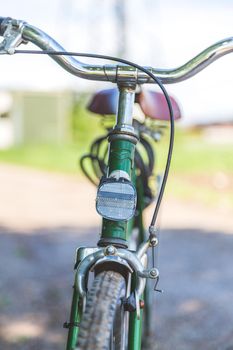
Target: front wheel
[(104, 322)]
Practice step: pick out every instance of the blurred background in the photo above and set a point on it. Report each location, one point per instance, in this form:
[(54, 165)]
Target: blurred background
[(47, 208)]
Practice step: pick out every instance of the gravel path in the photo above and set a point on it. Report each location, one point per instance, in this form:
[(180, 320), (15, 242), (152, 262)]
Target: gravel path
[(44, 217)]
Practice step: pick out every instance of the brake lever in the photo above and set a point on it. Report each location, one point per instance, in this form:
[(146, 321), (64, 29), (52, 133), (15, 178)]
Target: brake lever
[(12, 37)]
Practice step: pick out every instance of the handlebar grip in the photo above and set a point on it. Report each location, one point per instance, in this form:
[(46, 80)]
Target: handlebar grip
[(3, 22)]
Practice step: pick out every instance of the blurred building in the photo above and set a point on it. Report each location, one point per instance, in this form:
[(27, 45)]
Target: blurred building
[(34, 117)]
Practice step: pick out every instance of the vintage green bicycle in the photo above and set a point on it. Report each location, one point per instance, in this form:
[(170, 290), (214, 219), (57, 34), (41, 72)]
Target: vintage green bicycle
[(111, 296)]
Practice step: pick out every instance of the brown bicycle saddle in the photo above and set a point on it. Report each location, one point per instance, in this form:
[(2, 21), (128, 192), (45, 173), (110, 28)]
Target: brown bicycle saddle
[(152, 103)]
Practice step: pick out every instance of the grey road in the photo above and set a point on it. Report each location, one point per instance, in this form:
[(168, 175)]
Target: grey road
[(44, 217)]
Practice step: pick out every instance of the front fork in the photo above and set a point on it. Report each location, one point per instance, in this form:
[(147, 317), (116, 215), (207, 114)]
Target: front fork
[(75, 317), (135, 263)]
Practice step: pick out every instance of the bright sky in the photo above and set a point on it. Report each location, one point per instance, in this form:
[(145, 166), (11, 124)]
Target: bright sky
[(161, 33)]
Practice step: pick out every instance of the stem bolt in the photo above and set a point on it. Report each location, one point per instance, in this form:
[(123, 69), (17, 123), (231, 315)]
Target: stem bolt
[(110, 250)]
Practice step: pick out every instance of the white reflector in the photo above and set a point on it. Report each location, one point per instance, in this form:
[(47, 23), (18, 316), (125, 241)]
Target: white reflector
[(116, 200)]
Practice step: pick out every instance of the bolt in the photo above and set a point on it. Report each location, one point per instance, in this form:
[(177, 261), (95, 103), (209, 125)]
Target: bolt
[(110, 250), (15, 23), (154, 241), (154, 273), (152, 230)]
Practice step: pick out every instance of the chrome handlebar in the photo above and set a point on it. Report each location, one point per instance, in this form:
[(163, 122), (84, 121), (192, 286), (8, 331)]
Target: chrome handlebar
[(16, 32)]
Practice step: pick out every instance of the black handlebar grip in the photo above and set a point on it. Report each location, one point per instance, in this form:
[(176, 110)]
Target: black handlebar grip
[(3, 22)]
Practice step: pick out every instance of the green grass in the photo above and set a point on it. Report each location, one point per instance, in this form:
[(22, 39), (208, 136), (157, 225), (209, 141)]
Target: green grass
[(192, 188), (55, 158), (194, 165), (200, 171), (192, 155)]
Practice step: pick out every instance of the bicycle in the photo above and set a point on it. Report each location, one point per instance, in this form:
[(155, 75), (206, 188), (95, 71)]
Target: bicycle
[(108, 312)]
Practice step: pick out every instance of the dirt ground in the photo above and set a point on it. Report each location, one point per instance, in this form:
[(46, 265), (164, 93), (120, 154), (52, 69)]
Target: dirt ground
[(44, 217)]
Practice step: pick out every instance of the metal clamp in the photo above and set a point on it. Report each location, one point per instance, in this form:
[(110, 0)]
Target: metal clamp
[(12, 37)]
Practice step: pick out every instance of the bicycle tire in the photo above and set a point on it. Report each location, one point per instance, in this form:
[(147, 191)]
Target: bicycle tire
[(103, 304)]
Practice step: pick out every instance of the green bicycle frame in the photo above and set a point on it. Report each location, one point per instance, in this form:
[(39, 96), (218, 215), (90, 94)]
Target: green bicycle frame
[(121, 158)]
